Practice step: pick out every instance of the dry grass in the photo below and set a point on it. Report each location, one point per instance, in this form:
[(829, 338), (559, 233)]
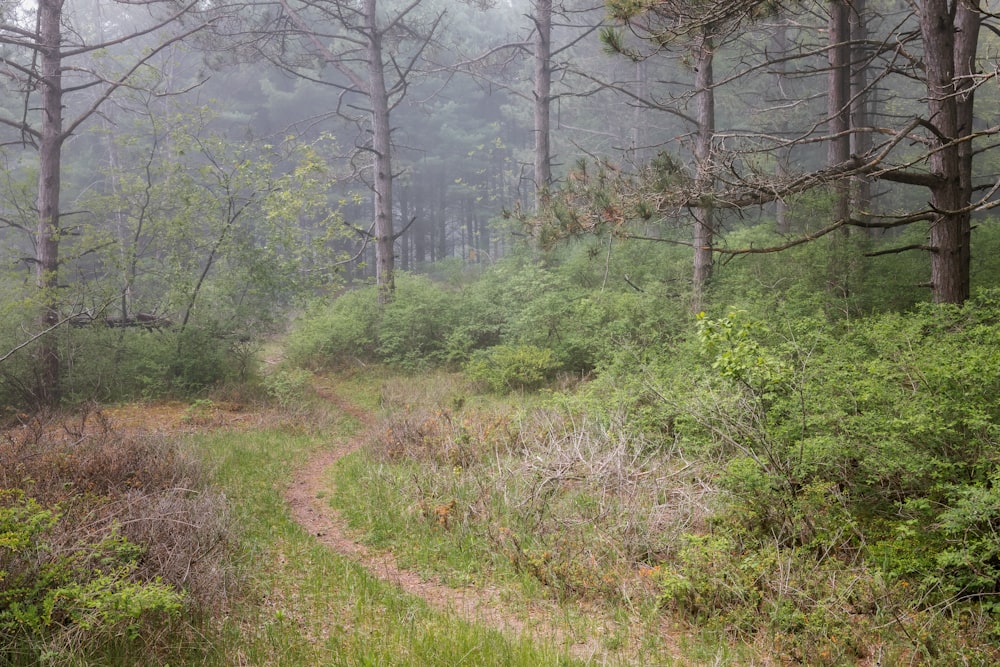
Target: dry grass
[(583, 507), (107, 481)]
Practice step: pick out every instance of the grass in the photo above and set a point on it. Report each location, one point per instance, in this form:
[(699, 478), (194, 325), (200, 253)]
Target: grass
[(504, 497), (500, 494), (308, 606), (438, 472)]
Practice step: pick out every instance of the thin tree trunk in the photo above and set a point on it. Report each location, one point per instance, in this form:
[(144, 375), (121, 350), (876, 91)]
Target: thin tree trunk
[(419, 231), (704, 226), (781, 166), (543, 100), (442, 218), (406, 240), (861, 141), (838, 102), (639, 149), (839, 147)]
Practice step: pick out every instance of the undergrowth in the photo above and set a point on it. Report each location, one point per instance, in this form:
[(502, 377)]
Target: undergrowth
[(110, 544), (820, 492)]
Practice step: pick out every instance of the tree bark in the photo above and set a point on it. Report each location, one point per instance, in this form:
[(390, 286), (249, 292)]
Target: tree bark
[(839, 147), (382, 147), (838, 102), (542, 101), (704, 214), (950, 41), (49, 186), (781, 163), (860, 101)]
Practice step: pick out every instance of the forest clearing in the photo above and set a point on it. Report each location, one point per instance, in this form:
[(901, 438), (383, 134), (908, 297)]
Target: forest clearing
[(371, 517)]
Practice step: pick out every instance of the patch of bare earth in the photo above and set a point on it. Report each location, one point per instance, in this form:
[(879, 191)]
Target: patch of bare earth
[(479, 604)]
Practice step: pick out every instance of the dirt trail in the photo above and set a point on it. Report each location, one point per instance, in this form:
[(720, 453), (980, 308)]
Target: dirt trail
[(484, 605)]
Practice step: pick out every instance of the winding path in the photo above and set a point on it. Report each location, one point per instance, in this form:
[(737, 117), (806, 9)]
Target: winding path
[(483, 605)]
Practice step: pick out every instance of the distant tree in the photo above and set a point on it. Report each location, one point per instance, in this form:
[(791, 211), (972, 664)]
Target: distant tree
[(556, 28), (374, 50), (700, 28)]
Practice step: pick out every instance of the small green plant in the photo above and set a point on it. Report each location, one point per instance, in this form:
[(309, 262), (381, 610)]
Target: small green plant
[(86, 591), (508, 368), (289, 387), (199, 412)]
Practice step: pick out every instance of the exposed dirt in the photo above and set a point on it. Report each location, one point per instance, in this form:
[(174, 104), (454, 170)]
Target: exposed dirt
[(483, 605)]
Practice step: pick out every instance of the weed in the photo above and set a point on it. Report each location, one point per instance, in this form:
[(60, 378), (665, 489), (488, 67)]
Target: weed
[(199, 412)]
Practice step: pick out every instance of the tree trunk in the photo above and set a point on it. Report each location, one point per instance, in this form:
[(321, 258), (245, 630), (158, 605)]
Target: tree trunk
[(861, 106), (704, 215), (543, 99), (382, 147), (50, 157), (420, 232), (839, 147), (950, 42), (639, 151), (781, 164), (838, 102), (406, 240)]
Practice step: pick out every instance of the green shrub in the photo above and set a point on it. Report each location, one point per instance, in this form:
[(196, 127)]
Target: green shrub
[(508, 368), (78, 593), (104, 539), (415, 327), (896, 419), (288, 386), (333, 333)]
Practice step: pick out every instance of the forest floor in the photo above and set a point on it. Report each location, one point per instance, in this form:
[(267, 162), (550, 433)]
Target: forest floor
[(307, 497), (484, 605)]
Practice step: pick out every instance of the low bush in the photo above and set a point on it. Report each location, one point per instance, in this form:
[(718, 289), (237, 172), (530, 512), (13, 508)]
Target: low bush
[(335, 333), (103, 538), (826, 488), (576, 507), (512, 368), (868, 455), (414, 329), (514, 305)]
